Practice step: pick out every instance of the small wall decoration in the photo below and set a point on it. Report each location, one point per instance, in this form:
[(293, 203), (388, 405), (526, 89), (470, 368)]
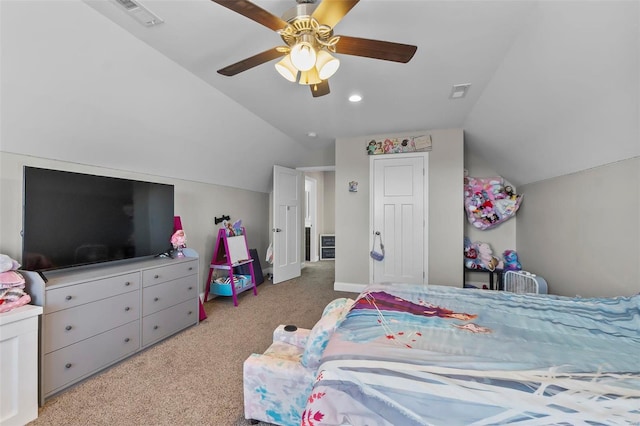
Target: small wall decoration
[(353, 186), (399, 145)]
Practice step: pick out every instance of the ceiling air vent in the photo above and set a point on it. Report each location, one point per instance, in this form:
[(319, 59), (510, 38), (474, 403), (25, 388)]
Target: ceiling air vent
[(140, 13), (459, 91)]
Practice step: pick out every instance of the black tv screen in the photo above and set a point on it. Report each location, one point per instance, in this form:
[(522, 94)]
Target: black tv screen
[(73, 219)]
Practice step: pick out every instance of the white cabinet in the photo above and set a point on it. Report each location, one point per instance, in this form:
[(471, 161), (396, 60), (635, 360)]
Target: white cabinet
[(100, 315), (19, 365)]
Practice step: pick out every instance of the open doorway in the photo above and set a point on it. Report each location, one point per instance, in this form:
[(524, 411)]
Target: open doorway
[(311, 218), (319, 209)]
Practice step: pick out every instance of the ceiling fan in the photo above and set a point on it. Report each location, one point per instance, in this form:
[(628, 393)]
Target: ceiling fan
[(307, 30)]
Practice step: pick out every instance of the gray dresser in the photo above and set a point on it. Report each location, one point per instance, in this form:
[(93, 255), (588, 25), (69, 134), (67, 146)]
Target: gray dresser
[(99, 315)]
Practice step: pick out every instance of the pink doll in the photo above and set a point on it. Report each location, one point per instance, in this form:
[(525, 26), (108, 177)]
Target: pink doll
[(179, 240)]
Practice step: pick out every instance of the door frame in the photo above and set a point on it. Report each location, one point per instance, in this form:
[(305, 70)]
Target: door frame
[(425, 228), (311, 212), (314, 169)]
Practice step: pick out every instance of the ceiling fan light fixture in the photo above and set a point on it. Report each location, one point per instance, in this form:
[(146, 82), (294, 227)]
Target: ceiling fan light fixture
[(286, 69), (303, 54), (310, 77), (326, 64)]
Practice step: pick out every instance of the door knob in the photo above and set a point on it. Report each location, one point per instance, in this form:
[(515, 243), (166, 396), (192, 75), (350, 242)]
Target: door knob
[(277, 230)]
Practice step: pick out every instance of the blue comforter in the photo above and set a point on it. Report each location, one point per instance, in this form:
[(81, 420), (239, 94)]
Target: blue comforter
[(408, 354)]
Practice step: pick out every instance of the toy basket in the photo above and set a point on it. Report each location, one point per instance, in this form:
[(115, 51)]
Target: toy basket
[(523, 282), (222, 286)]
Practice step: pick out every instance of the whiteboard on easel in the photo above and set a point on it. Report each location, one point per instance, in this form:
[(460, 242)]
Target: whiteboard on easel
[(237, 249)]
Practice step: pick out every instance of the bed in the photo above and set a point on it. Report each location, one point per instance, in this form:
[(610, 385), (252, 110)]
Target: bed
[(435, 355)]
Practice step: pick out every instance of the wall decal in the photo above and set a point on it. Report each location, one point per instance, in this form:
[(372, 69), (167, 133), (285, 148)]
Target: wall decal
[(399, 145)]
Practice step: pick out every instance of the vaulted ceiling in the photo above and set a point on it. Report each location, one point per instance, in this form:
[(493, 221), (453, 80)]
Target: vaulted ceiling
[(554, 85)]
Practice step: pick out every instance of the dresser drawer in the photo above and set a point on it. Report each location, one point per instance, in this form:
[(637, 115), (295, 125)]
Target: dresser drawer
[(74, 295), (168, 321), (69, 326), (74, 362), (168, 273), (162, 296)]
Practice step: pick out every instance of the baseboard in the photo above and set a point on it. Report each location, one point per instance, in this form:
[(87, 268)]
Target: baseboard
[(352, 287)]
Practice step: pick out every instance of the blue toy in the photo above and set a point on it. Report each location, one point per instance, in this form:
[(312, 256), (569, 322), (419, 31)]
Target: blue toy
[(511, 261)]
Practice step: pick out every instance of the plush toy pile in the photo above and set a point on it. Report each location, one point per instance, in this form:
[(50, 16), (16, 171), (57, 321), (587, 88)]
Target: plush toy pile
[(488, 202), (12, 283), (479, 255)]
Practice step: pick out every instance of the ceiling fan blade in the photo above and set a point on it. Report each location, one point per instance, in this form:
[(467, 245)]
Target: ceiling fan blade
[(251, 62), (330, 12), (375, 49), (254, 12), (320, 89)]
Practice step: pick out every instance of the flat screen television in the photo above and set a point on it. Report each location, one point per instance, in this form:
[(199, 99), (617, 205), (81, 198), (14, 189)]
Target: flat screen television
[(72, 219)]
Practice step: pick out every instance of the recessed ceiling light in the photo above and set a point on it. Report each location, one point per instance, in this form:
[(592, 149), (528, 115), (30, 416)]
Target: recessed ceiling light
[(355, 98), (312, 134)]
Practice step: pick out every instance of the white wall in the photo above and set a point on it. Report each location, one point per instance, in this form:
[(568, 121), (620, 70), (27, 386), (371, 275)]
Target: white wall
[(445, 230), (570, 79), (581, 231), (196, 203), (76, 87), (329, 203)]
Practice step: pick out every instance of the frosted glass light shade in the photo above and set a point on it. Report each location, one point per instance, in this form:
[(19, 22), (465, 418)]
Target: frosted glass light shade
[(286, 69), (310, 77), (303, 56), (326, 64)]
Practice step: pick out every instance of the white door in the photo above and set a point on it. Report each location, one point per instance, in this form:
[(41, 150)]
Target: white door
[(288, 190), (398, 214)]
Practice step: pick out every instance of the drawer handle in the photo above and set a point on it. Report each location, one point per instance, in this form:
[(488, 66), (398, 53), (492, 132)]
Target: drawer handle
[(127, 309), (156, 276), (191, 268), (155, 327), (69, 297), (127, 340), (127, 284), (190, 312), (68, 328), (155, 299), (190, 287), (68, 365)]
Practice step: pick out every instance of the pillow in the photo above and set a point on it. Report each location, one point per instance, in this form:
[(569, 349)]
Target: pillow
[(317, 341)]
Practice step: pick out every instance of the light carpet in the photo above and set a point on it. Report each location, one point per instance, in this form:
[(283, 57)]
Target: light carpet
[(195, 377)]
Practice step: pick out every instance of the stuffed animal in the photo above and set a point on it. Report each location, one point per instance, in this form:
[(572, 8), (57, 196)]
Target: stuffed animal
[(511, 261), (487, 259), (471, 260)]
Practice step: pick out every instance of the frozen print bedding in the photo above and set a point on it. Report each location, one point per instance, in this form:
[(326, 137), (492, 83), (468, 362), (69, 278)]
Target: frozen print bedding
[(433, 355)]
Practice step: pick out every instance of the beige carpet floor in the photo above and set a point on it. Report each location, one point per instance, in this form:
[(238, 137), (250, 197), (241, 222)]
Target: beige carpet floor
[(195, 377)]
